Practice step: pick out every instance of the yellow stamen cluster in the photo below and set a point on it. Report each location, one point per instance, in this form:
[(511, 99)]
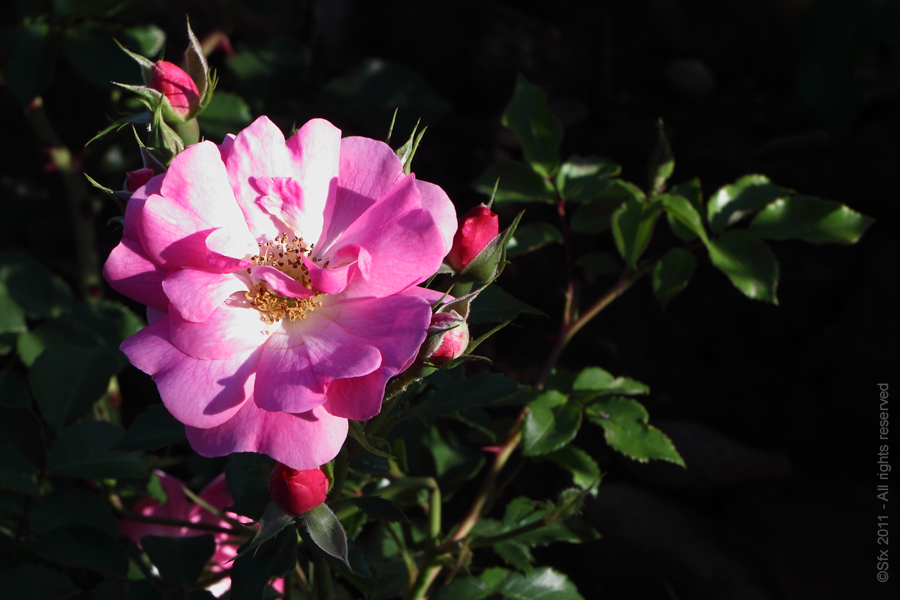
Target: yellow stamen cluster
[(274, 308), (285, 254)]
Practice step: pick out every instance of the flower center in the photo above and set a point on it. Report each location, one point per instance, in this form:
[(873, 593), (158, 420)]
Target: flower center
[(285, 254)]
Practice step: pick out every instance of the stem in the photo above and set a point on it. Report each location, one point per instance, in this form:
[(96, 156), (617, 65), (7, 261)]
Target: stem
[(629, 277), (431, 569), (570, 271), (77, 196)]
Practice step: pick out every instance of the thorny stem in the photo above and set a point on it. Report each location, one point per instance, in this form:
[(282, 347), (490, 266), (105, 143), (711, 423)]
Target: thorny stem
[(77, 196)]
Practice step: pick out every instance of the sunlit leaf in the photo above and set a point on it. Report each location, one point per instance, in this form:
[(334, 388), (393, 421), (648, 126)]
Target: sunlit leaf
[(538, 130), (672, 273), (748, 262), (624, 422), (529, 238), (516, 182), (551, 423), (811, 220), (632, 226), (747, 194)]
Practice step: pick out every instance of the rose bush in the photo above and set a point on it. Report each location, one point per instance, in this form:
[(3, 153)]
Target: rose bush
[(280, 278)]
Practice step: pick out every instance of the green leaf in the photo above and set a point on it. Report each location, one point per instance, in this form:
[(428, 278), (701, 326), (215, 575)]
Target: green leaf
[(515, 554), (84, 451), (672, 273), (694, 194), (247, 474), (662, 161), (67, 380), (253, 570), (326, 532), (153, 429), (632, 225), (31, 62), (516, 182), (273, 521), (80, 546), (584, 469), (180, 560), (380, 508), (582, 178), (595, 379), (483, 389), (531, 237), (469, 588), (30, 285), (599, 263), (543, 583), (148, 39), (748, 263), (226, 113), (624, 422), (594, 214), (454, 461), (749, 193), (682, 210), (810, 219), (71, 505), (551, 423), (494, 305), (538, 130)]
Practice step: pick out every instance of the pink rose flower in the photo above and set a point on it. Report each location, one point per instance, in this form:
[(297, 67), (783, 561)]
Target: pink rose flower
[(295, 492), (476, 228), (179, 507), (177, 86), (280, 279)]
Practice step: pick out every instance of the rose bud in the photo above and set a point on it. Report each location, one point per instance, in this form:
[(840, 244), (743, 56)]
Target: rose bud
[(135, 179), (448, 337), (476, 228), (295, 492), (177, 87)]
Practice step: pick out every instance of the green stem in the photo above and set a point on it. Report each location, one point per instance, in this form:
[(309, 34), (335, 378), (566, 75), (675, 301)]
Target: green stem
[(78, 199)]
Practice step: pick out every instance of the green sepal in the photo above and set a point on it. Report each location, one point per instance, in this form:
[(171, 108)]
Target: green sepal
[(490, 262)]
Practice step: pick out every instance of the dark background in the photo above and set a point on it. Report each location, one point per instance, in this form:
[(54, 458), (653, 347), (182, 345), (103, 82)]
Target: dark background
[(775, 409)]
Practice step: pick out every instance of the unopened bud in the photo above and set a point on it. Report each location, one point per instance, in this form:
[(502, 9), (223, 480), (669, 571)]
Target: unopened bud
[(476, 229), (135, 179), (177, 87), (295, 492), (448, 338)]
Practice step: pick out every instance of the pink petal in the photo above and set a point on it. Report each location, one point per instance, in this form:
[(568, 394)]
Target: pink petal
[(432, 296), (232, 329), (130, 272), (341, 266), (257, 151), (436, 202), (195, 294), (316, 150), (357, 398), (279, 282), (368, 171), (300, 441), (405, 243), (304, 357), (176, 506), (200, 393), (283, 198)]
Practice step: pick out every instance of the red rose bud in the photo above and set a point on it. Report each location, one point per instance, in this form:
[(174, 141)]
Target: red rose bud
[(476, 228), (135, 179), (177, 87), (448, 338), (295, 492)]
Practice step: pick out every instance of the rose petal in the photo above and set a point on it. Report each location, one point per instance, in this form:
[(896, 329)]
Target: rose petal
[(201, 393), (300, 441), (316, 150), (195, 294), (368, 170), (232, 329)]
